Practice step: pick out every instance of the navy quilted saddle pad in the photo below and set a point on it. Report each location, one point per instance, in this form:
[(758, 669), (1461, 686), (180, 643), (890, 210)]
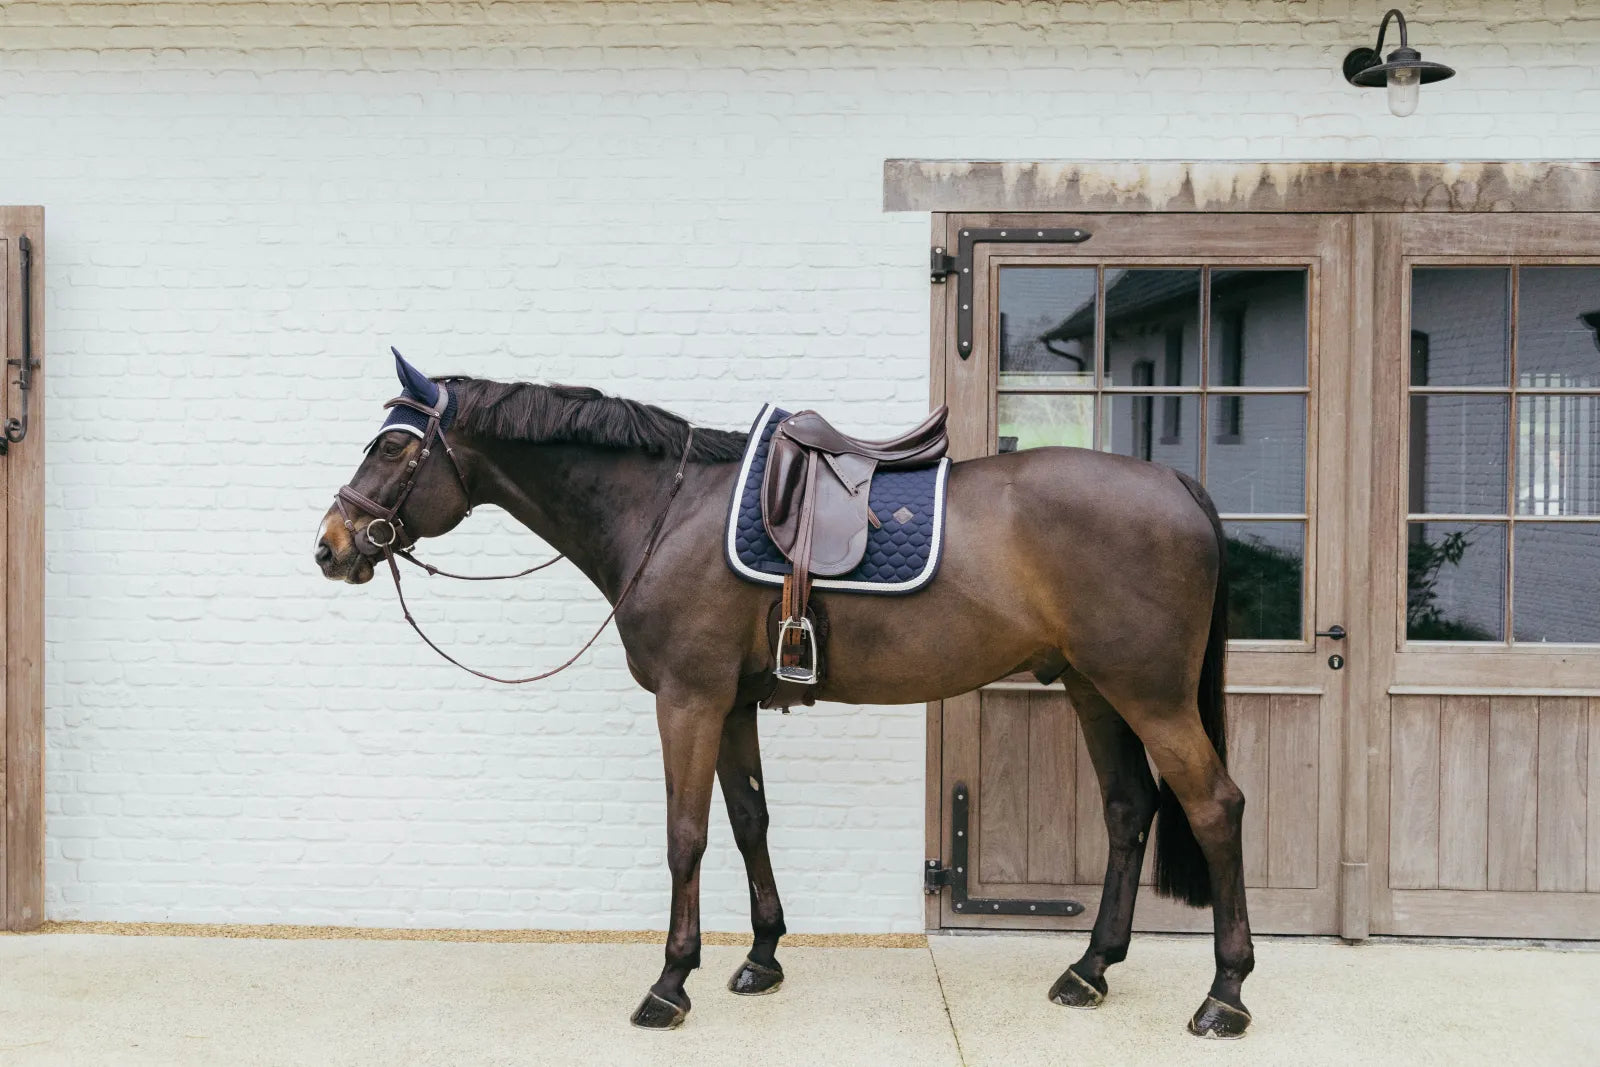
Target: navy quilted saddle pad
[(902, 555)]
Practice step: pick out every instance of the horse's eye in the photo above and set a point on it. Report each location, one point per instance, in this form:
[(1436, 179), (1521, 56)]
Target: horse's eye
[(392, 448)]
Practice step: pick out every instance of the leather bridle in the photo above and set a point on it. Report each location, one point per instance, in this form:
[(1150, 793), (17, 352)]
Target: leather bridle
[(394, 527)]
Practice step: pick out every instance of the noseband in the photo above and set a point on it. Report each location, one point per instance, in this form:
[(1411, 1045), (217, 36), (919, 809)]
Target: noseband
[(393, 526)]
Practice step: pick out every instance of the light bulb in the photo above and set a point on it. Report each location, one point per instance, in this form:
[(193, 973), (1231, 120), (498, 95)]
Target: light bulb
[(1405, 85)]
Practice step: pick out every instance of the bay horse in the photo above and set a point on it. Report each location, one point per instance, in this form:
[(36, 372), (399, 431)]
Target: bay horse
[(1100, 570)]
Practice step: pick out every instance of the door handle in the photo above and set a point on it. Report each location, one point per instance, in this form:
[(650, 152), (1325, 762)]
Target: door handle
[(1335, 631)]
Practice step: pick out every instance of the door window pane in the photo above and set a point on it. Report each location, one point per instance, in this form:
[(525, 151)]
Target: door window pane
[(1558, 327), (1165, 429), (1046, 335), (1557, 593), (1266, 571), (1034, 421), (1258, 327), (1458, 454), (1460, 325), (1256, 456), (1558, 455), (1455, 581), (1153, 316)]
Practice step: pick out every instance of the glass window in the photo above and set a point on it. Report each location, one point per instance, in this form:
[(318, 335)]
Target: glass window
[(1261, 466), (1463, 315), (1517, 449), (1266, 579), (1258, 327), (1046, 328), (1031, 420), (1226, 404), (1153, 316)]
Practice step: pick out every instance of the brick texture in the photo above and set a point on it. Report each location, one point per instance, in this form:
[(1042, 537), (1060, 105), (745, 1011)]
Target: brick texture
[(679, 202)]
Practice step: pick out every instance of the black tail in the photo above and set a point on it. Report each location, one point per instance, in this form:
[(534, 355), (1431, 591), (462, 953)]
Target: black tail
[(1181, 871)]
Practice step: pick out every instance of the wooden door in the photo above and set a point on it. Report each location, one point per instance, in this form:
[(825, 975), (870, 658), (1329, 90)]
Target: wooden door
[(1484, 697), (1218, 345), (22, 575)]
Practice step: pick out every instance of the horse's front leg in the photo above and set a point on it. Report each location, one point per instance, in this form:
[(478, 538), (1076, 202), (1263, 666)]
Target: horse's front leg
[(691, 731), (739, 771)]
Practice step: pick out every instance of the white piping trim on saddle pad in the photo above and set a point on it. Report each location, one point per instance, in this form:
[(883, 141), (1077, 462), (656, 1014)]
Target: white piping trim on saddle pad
[(744, 570)]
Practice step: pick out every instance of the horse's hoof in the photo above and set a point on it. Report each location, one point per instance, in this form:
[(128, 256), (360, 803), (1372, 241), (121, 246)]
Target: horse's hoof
[(1073, 990), (658, 1013), (1219, 1020), (754, 979)]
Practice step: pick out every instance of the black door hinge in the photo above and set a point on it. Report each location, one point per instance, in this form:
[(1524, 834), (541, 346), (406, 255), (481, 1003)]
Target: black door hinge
[(936, 876), (942, 264), (16, 427)]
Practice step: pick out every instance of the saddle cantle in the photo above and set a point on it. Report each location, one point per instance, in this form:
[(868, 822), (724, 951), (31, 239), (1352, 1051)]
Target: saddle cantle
[(815, 496)]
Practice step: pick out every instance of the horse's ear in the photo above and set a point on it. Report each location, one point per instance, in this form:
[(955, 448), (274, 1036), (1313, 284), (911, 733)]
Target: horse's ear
[(413, 381)]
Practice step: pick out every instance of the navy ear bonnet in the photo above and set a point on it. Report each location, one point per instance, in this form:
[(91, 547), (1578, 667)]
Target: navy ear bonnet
[(415, 384)]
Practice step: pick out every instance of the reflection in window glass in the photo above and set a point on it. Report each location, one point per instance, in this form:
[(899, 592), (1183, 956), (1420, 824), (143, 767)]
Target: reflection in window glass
[(1458, 454), (1266, 570), (1261, 467), (1558, 327), (1135, 426), (1153, 316), (1557, 586), (1258, 327), (1035, 421), (1558, 455), (1046, 334), (1460, 325), (1455, 581)]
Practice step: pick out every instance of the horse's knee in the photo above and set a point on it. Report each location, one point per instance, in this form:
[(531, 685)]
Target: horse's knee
[(684, 851)]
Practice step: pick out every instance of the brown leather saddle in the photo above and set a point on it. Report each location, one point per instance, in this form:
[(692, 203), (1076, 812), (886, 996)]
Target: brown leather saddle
[(815, 504)]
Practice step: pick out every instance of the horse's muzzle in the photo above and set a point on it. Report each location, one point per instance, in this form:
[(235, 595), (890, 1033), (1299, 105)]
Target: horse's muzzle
[(338, 557)]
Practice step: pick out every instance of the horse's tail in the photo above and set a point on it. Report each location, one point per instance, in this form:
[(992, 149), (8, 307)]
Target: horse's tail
[(1181, 870)]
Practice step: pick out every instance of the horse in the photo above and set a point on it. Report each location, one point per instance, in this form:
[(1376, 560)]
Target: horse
[(1101, 571)]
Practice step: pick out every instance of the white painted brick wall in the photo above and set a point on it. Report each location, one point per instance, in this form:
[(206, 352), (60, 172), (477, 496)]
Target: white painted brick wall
[(677, 201)]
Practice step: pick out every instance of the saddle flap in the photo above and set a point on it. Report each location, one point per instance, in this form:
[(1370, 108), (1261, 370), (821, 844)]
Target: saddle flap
[(839, 516), (837, 511), (782, 487)]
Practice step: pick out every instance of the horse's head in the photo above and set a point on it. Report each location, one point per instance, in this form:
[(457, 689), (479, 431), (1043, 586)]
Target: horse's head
[(409, 486)]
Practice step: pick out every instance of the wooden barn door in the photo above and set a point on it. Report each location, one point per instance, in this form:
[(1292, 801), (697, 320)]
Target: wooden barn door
[(1484, 699), (22, 571), (1219, 345)]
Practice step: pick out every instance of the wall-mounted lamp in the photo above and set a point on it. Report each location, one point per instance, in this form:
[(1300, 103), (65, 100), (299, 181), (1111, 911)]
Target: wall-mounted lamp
[(1404, 72)]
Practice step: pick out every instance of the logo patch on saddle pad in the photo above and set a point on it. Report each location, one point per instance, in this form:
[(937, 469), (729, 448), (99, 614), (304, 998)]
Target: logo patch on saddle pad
[(902, 554)]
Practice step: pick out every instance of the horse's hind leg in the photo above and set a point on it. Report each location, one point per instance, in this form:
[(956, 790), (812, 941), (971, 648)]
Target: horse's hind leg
[(739, 771), (1129, 794), (1213, 807)]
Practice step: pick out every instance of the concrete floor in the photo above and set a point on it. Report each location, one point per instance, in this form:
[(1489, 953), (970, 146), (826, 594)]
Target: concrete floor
[(95, 999)]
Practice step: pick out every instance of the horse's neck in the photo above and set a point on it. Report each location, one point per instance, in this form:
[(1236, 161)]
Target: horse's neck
[(594, 505)]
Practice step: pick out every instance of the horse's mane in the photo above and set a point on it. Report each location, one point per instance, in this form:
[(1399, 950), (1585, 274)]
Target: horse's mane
[(548, 414)]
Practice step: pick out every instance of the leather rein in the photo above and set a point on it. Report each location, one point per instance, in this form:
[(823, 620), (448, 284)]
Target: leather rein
[(392, 523)]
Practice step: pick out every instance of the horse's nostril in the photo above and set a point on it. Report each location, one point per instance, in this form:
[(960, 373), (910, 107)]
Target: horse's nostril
[(324, 554)]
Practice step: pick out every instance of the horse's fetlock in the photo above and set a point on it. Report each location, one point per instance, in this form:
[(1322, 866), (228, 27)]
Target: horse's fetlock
[(683, 955)]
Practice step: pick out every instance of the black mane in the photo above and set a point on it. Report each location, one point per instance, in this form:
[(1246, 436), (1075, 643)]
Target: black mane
[(524, 411)]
